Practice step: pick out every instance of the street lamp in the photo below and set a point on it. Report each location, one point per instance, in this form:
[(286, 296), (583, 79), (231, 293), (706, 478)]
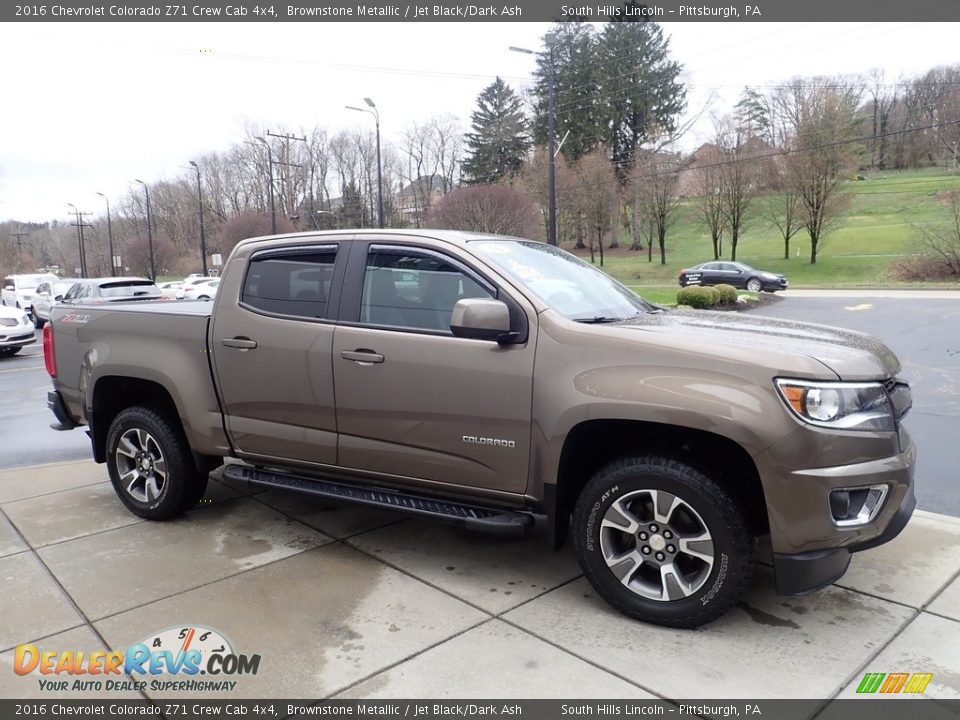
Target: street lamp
[(552, 140), (376, 117), (80, 250), (273, 211), (153, 269), (203, 238), (113, 262)]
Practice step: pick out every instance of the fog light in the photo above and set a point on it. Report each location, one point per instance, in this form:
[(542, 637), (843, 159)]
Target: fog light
[(851, 507)]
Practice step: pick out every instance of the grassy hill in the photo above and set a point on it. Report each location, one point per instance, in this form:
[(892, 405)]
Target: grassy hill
[(876, 229)]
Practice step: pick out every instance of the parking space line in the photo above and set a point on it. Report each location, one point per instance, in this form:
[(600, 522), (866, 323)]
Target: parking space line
[(21, 369)]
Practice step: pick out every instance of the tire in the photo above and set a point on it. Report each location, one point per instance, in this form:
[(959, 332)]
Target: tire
[(38, 322), (151, 466), (754, 285), (203, 297), (705, 577)]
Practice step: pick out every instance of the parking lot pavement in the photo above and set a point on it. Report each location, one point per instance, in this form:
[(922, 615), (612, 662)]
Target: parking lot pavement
[(341, 601)]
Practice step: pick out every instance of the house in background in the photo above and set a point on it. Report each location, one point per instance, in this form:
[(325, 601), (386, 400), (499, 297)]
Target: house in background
[(415, 198)]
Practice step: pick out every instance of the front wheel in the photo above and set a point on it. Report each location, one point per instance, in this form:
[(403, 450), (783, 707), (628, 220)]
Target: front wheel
[(150, 465), (661, 542), (754, 285)]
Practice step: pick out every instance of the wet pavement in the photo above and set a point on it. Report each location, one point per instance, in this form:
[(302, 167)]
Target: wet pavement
[(342, 601)]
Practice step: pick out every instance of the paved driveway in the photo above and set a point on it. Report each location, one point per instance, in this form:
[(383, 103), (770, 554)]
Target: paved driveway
[(351, 602)]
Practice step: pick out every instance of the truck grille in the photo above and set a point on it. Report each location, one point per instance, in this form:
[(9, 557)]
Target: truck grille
[(900, 397)]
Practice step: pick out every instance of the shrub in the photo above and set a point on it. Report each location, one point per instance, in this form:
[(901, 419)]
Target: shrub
[(727, 294), (697, 296)]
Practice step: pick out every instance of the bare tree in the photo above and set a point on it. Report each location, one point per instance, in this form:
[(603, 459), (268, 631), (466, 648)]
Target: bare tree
[(941, 243), (822, 113), (486, 208), (739, 178), (656, 190), (598, 194), (783, 208), (708, 182)]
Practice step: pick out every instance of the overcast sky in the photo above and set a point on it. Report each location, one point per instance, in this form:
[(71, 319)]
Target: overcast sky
[(90, 106)]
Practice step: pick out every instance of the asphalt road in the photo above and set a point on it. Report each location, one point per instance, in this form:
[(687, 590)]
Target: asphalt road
[(925, 335), (25, 434)]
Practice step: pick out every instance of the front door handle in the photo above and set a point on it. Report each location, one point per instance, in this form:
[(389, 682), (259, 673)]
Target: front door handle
[(240, 342), (362, 356)]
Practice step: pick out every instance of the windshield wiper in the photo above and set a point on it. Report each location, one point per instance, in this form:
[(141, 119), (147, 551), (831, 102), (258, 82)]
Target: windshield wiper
[(599, 319)]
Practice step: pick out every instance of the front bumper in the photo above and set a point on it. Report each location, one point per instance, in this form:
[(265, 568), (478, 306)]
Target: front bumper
[(807, 572), (810, 549), (18, 339)]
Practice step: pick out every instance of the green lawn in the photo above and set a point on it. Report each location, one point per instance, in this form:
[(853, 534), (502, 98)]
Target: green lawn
[(875, 230)]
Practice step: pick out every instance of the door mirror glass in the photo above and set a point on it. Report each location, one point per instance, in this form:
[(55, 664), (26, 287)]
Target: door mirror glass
[(59, 298), (481, 319)]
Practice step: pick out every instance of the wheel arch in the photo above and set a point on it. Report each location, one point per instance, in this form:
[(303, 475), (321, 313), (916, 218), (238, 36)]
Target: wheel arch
[(592, 444)]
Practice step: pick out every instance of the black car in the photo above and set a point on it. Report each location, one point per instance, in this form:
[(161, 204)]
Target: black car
[(111, 289), (720, 272)]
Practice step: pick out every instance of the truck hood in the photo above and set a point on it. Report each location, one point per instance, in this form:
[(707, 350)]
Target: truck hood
[(851, 355)]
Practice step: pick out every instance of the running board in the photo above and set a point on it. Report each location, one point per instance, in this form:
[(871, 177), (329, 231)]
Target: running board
[(474, 517)]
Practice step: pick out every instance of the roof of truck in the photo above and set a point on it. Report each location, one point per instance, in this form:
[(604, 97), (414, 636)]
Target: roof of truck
[(458, 237)]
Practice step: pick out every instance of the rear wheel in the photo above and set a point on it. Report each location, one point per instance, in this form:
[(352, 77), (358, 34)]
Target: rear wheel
[(151, 466), (662, 542), (754, 285)]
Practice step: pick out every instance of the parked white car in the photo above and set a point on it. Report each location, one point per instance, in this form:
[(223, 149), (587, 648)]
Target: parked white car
[(16, 330), (206, 290), (189, 284), (169, 289), (47, 295), (18, 290)]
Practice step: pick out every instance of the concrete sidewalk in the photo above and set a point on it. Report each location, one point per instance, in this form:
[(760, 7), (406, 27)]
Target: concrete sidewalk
[(351, 602)]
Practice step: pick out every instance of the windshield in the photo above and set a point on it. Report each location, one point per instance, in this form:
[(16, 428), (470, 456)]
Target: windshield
[(565, 282)]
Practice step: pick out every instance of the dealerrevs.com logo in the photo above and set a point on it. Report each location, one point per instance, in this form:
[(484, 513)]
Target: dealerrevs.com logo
[(172, 659)]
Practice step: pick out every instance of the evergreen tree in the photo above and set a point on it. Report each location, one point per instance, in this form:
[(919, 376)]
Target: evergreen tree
[(614, 89), (641, 89), (752, 114), (499, 142), (577, 89)]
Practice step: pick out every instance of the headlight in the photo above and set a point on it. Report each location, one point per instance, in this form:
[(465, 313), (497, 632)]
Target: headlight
[(24, 319), (845, 406)]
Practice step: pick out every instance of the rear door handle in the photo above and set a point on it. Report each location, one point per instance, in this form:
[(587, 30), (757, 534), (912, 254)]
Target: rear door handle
[(363, 356), (240, 342)]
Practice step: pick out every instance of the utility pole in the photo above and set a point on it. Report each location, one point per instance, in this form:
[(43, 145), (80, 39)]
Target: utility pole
[(153, 267), (551, 139), (113, 265), (81, 247), (19, 235), (203, 238), (286, 163)]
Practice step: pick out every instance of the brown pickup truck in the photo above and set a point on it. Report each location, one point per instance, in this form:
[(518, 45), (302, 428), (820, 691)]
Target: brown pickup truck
[(485, 380)]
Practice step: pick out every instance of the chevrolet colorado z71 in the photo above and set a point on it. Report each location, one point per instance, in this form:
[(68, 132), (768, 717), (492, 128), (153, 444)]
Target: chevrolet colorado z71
[(484, 380)]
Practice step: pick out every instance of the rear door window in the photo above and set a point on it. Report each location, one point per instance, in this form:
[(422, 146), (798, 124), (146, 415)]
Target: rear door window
[(290, 281)]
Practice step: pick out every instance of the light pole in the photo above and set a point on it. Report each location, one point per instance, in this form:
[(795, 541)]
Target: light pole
[(80, 249), (153, 269), (376, 116), (552, 143), (109, 233), (203, 238), (273, 211)]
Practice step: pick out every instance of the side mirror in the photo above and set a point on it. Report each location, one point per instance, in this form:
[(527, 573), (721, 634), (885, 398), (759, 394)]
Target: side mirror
[(481, 319), (58, 298)]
